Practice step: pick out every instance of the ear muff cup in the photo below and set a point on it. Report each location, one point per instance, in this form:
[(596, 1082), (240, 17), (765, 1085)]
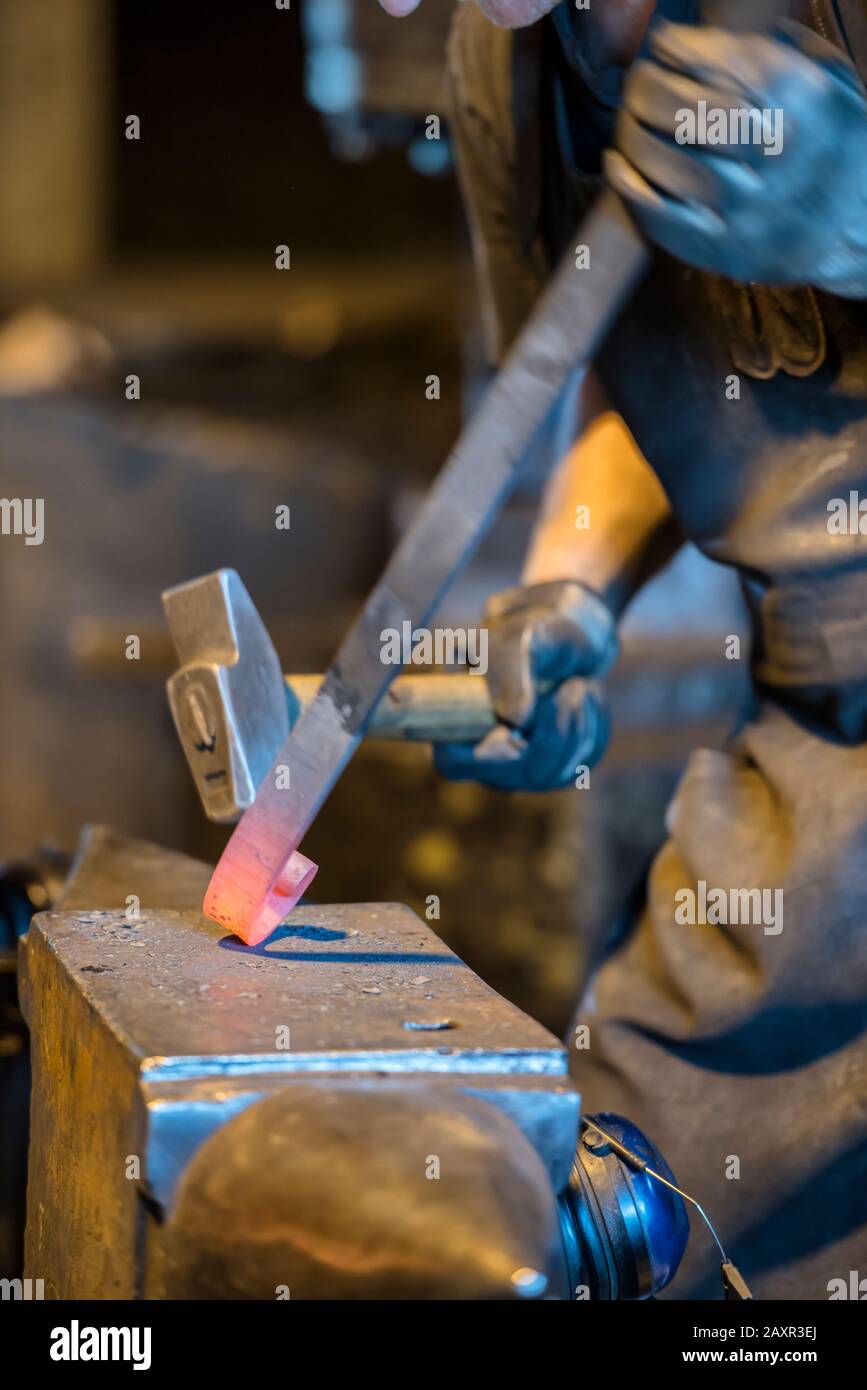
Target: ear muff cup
[(627, 1232), (609, 1223)]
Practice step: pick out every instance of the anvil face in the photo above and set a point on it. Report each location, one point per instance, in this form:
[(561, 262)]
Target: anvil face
[(363, 987), (152, 1031)]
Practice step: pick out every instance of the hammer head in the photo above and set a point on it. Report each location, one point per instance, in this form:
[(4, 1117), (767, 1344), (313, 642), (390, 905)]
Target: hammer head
[(227, 699)]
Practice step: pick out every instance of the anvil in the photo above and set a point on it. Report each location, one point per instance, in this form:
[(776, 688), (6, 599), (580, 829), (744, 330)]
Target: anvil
[(345, 1111)]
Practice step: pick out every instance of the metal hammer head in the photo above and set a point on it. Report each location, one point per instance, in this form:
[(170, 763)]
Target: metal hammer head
[(227, 699)]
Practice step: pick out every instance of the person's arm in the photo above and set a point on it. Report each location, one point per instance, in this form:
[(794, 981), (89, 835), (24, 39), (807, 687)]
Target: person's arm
[(549, 638), (546, 637), (604, 519)]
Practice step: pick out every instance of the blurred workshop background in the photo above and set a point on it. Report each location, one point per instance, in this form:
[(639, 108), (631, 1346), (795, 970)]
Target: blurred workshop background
[(154, 257)]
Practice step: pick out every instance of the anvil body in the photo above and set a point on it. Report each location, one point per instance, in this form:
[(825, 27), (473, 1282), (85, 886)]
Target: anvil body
[(156, 1037)]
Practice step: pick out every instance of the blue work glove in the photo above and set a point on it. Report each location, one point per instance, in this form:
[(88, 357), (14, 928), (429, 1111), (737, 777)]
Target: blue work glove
[(544, 640), (796, 217)]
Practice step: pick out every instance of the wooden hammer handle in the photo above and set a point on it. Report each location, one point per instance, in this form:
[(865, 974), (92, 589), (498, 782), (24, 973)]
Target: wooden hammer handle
[(418, 709)]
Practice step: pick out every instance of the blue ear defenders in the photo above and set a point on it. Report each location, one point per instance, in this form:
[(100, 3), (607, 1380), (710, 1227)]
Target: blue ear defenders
[(624, 1231), (623, 1220)]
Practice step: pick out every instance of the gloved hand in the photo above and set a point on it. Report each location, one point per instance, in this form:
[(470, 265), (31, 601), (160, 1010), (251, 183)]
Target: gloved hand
[(543, 640), (796, 217)]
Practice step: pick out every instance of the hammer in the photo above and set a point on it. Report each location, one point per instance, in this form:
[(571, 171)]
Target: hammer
[(233, 708)]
